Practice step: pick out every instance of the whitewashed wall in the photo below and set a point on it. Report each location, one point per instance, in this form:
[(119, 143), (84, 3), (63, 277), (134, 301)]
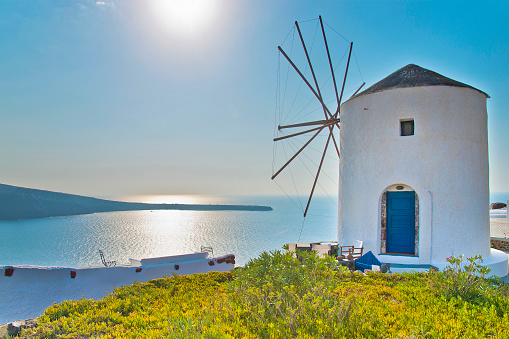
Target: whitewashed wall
[(446, 161), (30, 289)]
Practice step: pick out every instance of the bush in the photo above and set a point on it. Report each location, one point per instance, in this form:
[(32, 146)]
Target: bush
[(280, 295), (466, 280), (291, 295)]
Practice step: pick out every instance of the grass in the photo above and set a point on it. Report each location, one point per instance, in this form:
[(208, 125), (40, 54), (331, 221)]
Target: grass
[(279, 296)]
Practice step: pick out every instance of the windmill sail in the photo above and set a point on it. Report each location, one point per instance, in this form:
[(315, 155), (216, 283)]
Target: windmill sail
[(328, 126)]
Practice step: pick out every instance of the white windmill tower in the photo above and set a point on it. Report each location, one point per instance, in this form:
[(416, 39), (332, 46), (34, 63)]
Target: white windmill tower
[(414, 173)]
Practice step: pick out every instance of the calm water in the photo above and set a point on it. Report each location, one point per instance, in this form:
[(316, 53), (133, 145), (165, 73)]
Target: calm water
[(74, 241)]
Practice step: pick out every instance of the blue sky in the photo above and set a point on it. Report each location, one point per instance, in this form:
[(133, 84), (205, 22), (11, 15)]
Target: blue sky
[(120, 97)]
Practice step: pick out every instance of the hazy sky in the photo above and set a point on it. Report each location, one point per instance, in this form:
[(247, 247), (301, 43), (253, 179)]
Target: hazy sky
[(121, 97)]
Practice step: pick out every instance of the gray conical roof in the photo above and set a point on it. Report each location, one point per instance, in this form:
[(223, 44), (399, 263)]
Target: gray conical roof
[(414, 76)]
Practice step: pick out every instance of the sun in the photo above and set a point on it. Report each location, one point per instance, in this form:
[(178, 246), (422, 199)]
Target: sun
[(185, 18)]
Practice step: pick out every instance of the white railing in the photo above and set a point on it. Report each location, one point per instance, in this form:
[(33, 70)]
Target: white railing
[(499, 229)]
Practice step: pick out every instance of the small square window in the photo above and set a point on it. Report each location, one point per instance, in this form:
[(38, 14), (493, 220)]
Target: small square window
[(407, 127)]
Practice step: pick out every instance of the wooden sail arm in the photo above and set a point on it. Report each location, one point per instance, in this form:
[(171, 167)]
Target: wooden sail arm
[(319, 125), (358, 89), (330, 123), (312, 70), (318, 173), (335, 116), (335, 144), (308, 131), (330, 61), (344, 79), (311, 123), (296, 134), (298, 152)]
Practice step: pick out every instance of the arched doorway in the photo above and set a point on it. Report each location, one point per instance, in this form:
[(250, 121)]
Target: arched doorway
[(400, 220)]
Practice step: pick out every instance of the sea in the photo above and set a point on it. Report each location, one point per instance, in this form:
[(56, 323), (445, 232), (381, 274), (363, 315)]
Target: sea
[(75, 241)]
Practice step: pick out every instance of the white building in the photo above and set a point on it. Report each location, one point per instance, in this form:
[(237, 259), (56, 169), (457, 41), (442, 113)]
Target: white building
[(414, 173)]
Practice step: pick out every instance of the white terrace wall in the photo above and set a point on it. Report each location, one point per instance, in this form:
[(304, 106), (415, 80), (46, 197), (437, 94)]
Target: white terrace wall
[(30, 289), (445, 162)]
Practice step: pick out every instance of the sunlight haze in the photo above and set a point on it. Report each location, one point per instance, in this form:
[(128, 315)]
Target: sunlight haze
[(114, 98)]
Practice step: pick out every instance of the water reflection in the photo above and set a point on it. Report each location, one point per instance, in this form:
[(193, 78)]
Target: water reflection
[(174, 199), (74, 241)]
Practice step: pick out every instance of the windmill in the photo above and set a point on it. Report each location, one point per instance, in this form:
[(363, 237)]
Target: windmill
[(331, 118)]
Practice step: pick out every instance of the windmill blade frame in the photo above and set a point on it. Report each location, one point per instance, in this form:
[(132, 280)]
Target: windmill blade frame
[(330, 120)]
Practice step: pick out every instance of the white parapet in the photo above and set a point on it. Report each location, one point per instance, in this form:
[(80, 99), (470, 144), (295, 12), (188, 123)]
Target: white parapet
[(28, 290), (497, 261)]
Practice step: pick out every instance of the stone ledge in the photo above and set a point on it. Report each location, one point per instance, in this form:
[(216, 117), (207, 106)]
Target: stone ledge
[(501, 244)]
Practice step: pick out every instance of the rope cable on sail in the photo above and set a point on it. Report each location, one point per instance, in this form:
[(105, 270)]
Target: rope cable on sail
[(301, 228), (301, 22), (293, 180), (288, 34), (305, 69), (311, 148), (286, 84), (294, 147), (274, 145), (337, 32), (289, 197), (298, 117), (312, 173), (355, 57), (287, 76)]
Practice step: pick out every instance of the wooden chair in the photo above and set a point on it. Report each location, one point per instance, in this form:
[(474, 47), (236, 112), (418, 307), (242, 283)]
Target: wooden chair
[(107, 263), (351, 252)]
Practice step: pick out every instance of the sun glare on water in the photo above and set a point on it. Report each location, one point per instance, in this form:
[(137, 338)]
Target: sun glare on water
[(174, 199), (185, 18)]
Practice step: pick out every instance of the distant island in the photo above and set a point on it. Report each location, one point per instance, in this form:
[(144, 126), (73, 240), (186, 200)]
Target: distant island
[(27, 203)]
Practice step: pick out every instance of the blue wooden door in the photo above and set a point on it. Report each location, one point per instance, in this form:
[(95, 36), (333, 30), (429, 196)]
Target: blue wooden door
[(401, 222)]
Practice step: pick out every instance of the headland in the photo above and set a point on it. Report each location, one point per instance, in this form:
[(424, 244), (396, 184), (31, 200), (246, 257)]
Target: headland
[(27, 203)]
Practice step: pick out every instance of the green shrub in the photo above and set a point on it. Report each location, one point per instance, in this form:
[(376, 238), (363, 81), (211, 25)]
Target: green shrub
[(466, 280), (280, 295), (291, 295)]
